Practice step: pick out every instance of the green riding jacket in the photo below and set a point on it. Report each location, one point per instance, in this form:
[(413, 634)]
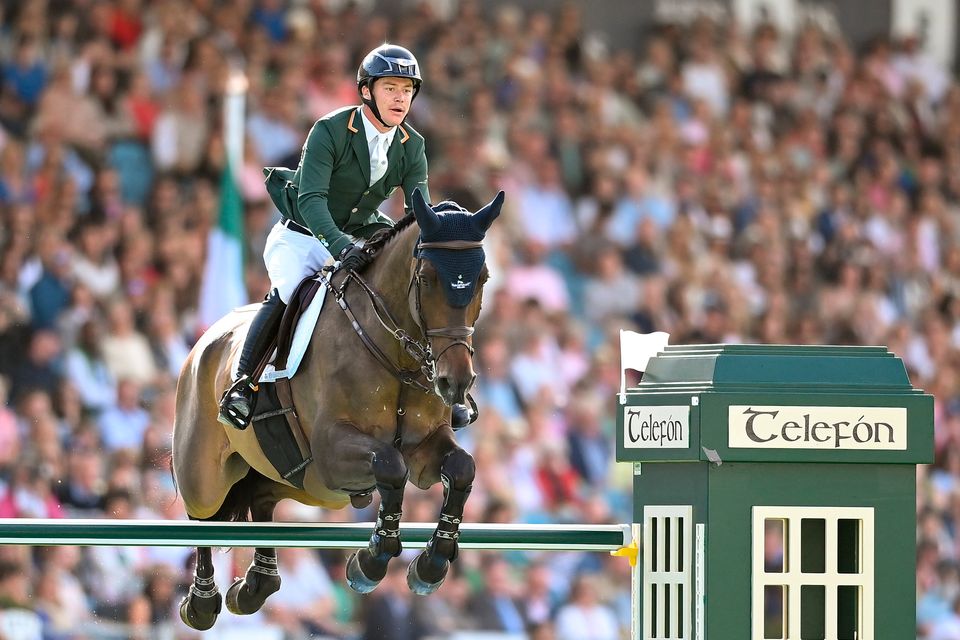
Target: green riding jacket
[(330, 194)]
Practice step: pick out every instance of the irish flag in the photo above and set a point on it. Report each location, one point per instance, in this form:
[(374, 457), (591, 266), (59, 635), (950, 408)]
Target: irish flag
[(223, 287)]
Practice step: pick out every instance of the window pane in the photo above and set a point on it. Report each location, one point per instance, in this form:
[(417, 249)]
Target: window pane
[(813, 542), (654, 543), (774, 612), (666, 612), (654, 610), (774, 545), (848, 613), (848, 546), (680, 609), (813, 612), (680, 558), (667, 544)]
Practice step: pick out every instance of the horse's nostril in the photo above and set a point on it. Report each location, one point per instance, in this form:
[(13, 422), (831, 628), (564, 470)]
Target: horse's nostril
[(443, 385)]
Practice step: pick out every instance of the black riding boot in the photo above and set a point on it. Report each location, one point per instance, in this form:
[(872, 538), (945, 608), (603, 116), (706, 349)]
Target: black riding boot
[(239, 401)]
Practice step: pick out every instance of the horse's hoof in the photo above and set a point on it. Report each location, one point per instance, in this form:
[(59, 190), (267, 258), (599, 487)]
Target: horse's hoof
[(254, 596), (200, 620), (420, 586), (357, 580), (231, 600)]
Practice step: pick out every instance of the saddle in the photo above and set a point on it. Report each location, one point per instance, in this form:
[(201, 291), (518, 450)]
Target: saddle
[(275, 422)]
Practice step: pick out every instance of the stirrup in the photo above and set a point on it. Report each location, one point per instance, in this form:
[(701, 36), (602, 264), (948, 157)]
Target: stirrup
[(239, 397)]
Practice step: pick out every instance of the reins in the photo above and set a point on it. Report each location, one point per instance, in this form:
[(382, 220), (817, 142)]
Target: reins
[(419, 350)]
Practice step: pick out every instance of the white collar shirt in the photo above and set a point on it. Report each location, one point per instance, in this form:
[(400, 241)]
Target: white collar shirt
[(378, 144)]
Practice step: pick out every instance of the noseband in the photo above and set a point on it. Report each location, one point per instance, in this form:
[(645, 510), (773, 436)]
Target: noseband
[(419, 350)]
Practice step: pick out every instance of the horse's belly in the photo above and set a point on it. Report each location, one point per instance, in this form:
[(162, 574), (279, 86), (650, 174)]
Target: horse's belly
[(314, 492)]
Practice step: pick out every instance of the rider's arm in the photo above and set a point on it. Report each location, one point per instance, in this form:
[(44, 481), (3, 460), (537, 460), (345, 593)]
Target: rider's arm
[(315, 170), (416, 177)]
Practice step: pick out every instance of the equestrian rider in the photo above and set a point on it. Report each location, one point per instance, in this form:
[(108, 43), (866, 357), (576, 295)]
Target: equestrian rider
[(353, 160)]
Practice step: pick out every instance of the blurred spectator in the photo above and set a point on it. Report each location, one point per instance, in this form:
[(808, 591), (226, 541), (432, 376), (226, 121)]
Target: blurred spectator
[(50, 292), (25, 75), (39, 370), (497, 606), (115, 575), (584, 617), (17, 616), (9, 431), (126, 351), (86, 369), (388, 612), (308, 607), (123, 425), (590, 451)]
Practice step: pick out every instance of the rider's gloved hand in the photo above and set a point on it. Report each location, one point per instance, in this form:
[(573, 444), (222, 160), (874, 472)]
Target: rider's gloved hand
[(354, 257)]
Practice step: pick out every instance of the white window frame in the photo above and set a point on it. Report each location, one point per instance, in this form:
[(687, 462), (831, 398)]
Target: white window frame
[(793, 578), (676, 577)]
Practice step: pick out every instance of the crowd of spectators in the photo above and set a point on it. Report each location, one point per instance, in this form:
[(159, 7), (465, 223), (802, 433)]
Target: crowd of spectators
[(723, 185)]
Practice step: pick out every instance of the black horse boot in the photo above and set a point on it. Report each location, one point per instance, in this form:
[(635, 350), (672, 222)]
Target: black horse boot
[(239, 401)]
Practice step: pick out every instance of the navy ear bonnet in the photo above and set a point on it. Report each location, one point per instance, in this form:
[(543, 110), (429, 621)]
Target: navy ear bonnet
[(457, 269)]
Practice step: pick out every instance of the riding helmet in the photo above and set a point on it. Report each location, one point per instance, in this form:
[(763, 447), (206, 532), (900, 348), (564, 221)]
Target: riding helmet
[(389, 61)]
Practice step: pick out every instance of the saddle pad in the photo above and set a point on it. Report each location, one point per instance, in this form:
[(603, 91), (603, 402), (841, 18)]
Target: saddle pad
[(298, 346), (275, 437)]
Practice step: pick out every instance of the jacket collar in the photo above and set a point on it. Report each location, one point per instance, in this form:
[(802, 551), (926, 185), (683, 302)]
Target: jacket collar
[(353, 128)]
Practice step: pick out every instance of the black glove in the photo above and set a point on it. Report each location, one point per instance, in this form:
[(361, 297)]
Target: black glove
[(355, 257)]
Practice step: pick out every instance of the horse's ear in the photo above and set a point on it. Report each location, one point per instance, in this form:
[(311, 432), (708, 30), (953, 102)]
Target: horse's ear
[(483, 218), (428, 221)]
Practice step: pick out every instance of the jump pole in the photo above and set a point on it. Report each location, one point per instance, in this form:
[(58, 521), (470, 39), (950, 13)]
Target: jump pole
[(354, 535)]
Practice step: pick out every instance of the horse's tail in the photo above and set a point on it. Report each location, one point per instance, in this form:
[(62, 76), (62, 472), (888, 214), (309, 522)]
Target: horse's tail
[(236, 506)]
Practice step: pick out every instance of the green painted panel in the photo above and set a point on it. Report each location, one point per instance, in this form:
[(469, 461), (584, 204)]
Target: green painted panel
[(734, 488), (673, 484)]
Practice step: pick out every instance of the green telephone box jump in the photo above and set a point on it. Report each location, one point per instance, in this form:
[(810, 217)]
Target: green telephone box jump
[(775, 486)]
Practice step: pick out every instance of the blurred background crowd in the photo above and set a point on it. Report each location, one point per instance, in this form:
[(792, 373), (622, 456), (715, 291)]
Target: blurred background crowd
[(725, 185)]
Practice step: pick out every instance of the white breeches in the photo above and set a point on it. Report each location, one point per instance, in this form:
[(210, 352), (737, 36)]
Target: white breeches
[(290, 257)]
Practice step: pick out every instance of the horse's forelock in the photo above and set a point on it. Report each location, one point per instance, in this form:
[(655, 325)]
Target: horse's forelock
[(449, 205)]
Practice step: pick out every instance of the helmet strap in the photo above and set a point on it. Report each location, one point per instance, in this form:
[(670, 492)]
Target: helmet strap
[(370, 102)]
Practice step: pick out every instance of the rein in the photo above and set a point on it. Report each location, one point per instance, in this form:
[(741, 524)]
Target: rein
[(419, 350)]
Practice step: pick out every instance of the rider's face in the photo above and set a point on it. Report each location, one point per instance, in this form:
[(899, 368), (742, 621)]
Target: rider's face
[(393, 97)]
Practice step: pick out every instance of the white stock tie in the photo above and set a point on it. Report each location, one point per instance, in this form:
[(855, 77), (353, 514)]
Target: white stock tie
[(378, 159)]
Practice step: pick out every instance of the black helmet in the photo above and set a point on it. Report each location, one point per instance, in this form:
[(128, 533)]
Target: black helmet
[(389, 61)]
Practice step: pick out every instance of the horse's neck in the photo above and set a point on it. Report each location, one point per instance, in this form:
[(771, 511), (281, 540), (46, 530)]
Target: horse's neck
[(390, 273), (389, 276)]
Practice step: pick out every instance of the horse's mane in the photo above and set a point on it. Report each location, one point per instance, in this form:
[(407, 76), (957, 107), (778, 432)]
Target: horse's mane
[(380, 239)]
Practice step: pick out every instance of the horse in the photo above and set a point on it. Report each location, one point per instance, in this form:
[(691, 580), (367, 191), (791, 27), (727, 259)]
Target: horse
[(373, 393)]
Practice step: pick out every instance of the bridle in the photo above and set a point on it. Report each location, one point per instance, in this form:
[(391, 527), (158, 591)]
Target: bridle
[(418, 349)]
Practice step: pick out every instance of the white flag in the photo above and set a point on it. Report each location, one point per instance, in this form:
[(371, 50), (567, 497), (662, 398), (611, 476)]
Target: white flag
[(636, 349)]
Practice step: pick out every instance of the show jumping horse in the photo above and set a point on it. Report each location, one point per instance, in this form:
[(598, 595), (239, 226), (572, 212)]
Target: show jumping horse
[(373, 392)]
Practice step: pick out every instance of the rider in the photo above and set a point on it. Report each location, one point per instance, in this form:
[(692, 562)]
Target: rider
[(354, 158)]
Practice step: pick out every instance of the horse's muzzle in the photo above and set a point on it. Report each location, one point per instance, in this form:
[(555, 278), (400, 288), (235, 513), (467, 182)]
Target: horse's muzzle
[(451, 390)]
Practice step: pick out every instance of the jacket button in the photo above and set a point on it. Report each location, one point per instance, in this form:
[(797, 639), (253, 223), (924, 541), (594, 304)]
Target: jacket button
[(366, 192), (354, 210)]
